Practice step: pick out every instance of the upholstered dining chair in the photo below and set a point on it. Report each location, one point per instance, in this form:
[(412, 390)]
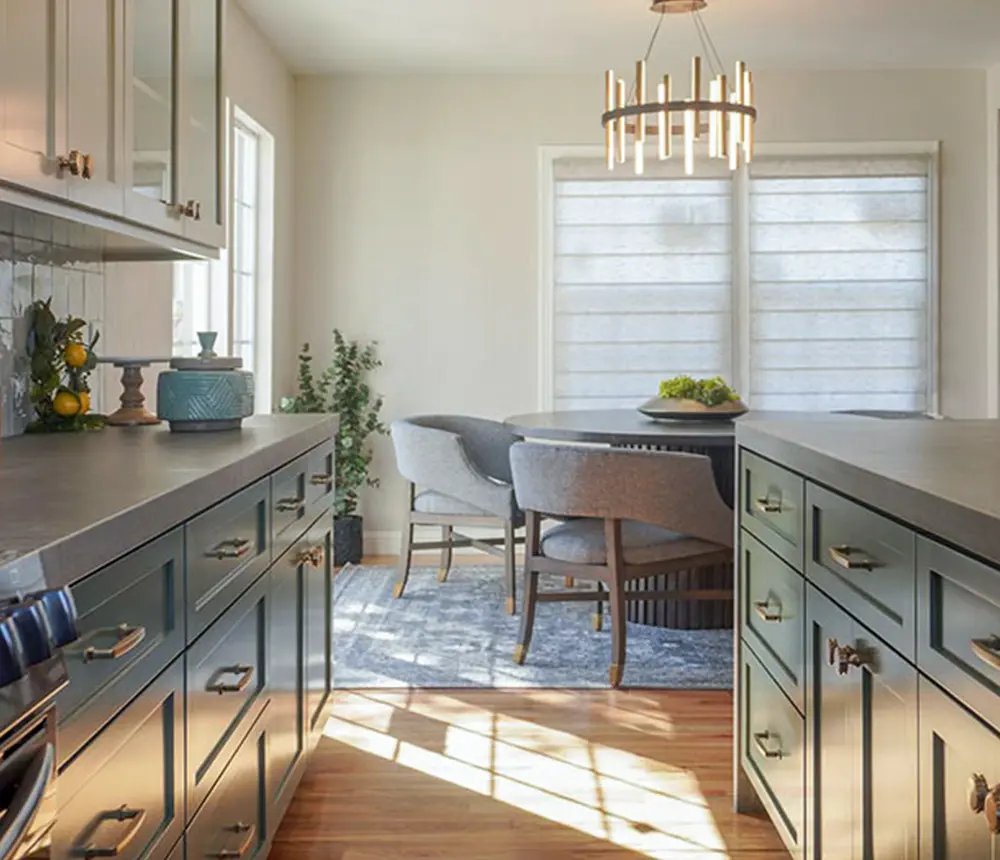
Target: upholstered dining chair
[(629, 515), (457, 470)]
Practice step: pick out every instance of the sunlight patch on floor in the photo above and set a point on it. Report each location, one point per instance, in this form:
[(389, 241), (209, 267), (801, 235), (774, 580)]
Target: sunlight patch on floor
[(635, 803)]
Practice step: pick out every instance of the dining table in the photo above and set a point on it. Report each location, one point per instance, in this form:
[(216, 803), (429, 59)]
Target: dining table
[(628, 428)]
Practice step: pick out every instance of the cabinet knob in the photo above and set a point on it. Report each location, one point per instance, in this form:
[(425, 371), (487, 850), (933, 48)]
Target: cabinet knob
[(844, 657), (88, 167), (978, 789), (74, 162)]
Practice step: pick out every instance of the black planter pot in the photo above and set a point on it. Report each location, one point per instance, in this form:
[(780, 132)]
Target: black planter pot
[(348, 541)]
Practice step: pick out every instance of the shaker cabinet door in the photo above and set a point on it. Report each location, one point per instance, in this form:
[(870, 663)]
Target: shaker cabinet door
[(33, 91), (959, 766), (319, 627), (95, 74), (202, 121)]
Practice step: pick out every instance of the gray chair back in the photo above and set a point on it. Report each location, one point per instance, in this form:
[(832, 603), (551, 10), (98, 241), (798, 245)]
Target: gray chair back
[(486, 443), (673, 490)]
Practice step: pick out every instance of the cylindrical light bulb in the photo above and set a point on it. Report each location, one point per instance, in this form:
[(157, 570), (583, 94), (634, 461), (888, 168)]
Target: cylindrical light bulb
[(747, 119), (609, 127), (715, 95), (666, 120), (735, 126), (661, 122), (689, 137), (723, 119), (620, 101), (739, 83)]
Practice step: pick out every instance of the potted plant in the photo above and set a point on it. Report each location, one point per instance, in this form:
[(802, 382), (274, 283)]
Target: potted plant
[(343, 388)]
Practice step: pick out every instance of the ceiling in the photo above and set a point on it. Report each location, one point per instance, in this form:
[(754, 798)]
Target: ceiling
[(323, 36)]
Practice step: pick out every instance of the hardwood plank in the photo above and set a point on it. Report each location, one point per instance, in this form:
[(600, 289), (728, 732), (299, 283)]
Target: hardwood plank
[(523, 775)]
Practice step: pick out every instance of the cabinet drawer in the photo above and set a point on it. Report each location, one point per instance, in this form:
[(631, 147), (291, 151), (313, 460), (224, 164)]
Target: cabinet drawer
[(227, 547), (866, 562), (232, 823), (958, 645), (131, 624), (226, 687), (321, 475), (773, 752), (955, 746), (124, 794), (288, 504), (771, 506), (772, 601)]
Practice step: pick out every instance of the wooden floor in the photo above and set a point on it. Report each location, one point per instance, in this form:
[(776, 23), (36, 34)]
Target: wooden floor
[(523, 775)]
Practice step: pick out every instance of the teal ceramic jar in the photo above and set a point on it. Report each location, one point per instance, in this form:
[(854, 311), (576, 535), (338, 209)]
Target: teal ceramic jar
[(205, 393)]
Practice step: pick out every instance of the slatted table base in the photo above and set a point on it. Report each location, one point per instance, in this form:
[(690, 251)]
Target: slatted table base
[(690, 614)]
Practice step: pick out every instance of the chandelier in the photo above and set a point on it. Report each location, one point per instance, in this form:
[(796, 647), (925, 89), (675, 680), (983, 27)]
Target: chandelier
[(726, 117)]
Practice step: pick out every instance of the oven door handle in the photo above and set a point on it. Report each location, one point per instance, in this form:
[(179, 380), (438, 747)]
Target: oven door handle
[(27, 800)]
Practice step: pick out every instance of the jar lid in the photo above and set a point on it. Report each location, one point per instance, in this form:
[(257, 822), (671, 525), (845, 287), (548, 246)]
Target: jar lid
[(217, 363)]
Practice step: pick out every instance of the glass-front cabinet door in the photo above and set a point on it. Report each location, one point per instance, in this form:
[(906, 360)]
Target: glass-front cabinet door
[(202, 121), (151, 28)]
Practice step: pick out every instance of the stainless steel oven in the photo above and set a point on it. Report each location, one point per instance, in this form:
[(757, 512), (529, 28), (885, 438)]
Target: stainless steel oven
[(27, 788)]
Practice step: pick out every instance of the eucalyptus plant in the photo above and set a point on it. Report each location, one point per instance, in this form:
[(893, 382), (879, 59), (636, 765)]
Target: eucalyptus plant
[(342, 388)]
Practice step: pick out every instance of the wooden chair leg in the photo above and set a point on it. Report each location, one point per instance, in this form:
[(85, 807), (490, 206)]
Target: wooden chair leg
[(598, 616), (527, 615), (509, 561), (406, 545), (616, 589), (446, 553)]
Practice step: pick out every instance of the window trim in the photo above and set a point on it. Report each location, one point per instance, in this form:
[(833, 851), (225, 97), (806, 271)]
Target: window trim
[(549, 155)]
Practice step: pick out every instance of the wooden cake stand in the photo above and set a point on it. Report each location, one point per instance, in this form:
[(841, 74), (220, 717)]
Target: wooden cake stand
[(133, 410)]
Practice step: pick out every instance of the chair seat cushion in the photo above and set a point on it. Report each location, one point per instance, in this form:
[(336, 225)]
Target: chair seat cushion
[(582, 542), (431, 502)]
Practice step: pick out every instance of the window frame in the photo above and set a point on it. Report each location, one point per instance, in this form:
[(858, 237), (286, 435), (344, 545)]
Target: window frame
[(740, 372)]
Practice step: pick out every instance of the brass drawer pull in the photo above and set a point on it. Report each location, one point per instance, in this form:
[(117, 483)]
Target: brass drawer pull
[(761, 741), (763, 609), (289, 505), (129, 638), (767, 505), (134, 818), (319, 480), (233, 548), (987, 650), (75, 162), (844, 657), (852, 558), (312, 556), (245, 673), (237, 853)]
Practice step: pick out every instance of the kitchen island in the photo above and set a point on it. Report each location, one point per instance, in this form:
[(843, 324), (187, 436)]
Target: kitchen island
[(868, 646), (201, 569)]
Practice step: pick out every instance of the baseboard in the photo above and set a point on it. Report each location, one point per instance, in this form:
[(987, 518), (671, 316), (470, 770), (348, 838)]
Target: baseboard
[(387, 542)]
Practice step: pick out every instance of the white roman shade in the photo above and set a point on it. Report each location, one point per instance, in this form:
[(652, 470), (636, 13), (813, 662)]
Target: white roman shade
[(840, 277), (642, 275)]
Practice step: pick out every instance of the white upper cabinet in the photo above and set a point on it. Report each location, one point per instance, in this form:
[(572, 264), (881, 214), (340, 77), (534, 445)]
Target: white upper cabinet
[(150, 128), (117, 106), (94, 102), (33, 91), (201, 111)]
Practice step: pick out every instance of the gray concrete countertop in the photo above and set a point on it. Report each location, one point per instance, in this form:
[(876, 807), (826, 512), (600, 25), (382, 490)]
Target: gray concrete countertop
[(943, 477), (72, 503)]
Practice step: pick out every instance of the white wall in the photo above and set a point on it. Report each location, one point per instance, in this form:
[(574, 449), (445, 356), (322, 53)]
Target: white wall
[(993, 231), (418, 220)]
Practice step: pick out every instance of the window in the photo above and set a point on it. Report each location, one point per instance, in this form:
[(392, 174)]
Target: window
[(806, 282), (233, 295)]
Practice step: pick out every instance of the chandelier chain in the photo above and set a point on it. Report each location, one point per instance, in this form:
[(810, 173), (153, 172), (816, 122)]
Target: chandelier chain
[(708, 44), (649, 50)]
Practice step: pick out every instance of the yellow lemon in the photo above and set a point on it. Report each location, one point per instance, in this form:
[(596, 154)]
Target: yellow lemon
[(75, 355), (84, 402), (67, 404)]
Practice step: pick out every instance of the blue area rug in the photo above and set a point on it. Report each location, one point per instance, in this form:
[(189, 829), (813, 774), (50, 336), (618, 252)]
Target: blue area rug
[(456, 634)]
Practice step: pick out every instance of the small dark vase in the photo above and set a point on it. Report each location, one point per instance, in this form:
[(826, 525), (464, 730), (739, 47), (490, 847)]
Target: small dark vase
[(348, 541)]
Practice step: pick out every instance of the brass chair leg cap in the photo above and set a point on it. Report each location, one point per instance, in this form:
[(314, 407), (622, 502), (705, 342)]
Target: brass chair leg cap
[(443, 574), (520, 652), (615, 675), (511, 606), (597, 621), (397, 590)]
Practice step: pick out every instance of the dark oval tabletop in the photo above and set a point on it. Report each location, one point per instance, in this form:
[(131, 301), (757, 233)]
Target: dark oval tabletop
[(621, 427)]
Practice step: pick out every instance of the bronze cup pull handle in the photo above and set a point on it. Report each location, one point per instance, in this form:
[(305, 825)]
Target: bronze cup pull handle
[(852, 558), (133, 817), (129, 638), (232, 548), (768, 744), (237, 853), (987, 650), (319, 480), (767, 505), (88, 167), (245, 673), (289, 505)]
